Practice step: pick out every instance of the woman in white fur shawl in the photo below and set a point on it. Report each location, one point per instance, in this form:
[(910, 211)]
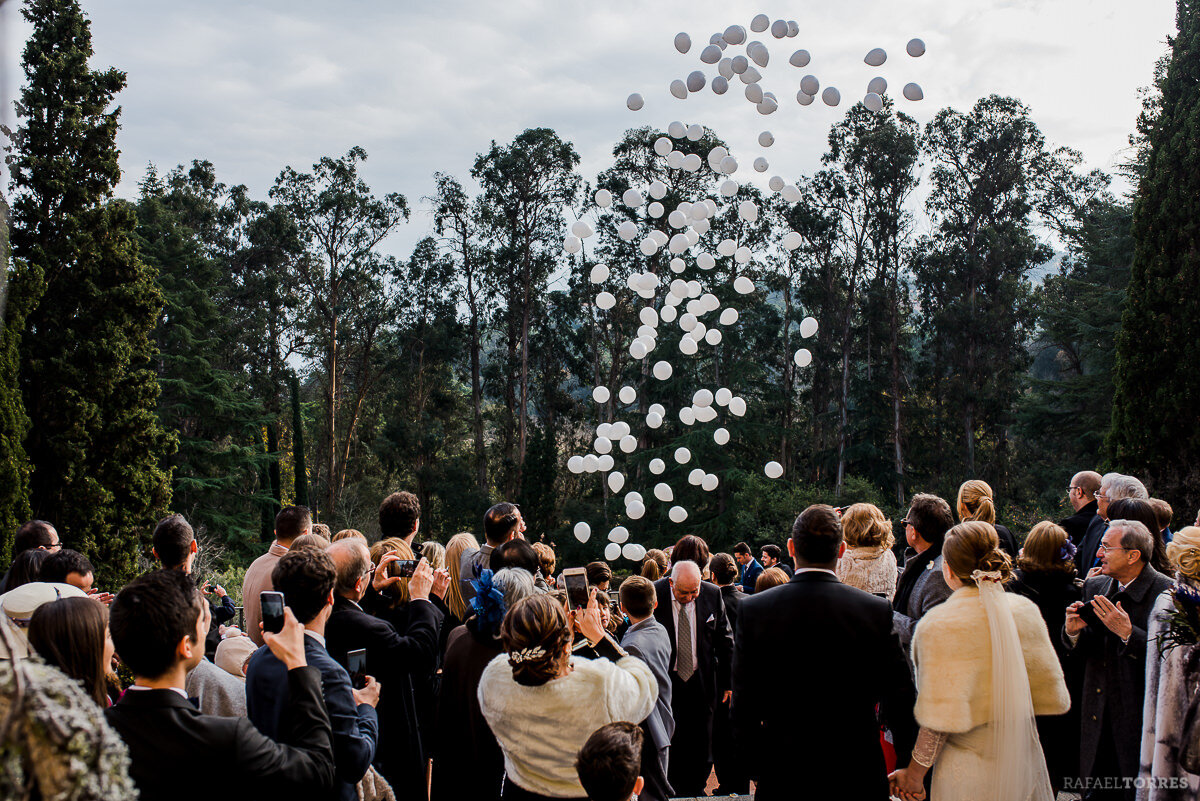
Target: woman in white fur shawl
[(1172, 681), (542, 705), (985, 667)]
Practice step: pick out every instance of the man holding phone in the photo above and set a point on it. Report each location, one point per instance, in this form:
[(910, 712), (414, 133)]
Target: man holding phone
[(306, 579)]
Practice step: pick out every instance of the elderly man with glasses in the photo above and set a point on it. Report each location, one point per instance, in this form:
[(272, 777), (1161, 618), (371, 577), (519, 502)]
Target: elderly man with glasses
[(1113, 486), (1108, 631)]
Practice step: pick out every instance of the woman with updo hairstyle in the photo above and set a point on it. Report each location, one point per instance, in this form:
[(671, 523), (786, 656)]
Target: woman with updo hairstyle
[(977, 502), (1172, 657), (985, 668), (869, 562), (690, 547), (1046, 575), (542, 704), (654, 566)]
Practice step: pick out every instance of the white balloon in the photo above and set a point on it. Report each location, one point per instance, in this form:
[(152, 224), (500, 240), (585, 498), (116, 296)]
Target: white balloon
[(688, 346), (679, 243), (603, 445), (591, 463), (729, 166), (633, 552), (743, 254), (649, 246), (668, 314), (808, 327), (768, 106), (803, 358), (657, 466), (658, 190), (663, 492), (722, 396), (694, 289), (710, 301), (751, 75), (804, 98), (766, 139), (729, 316), (616, 481), (679, 89), (695, 131), (632, 198), (635, 510), (710, 54), (696, 81), (875, 57), (582, 229), (678, 288), (605, 463), (831, 96), (571, 244), (773, 469), (809, 84), (675, 159), (683, 42), (628, 443), (739, 64), (729, 188), (603, 198), (691, 162), (654, 420), (695, 477), (761, 164), (792, 240), (575, 464), (873, 102), (760, 23), (726, 247), (676, 130), (915, 48), (800, 58), (748, 210), (706, 414), (635, 102), (709, 483), (725, 68), (655, 209), (913, 92), (663, 146), (687, 321), (612, 552), (790, 193), (637, 349), (697, 333), (618, 534), (737, 406), (677, 514), (600, 394), (779, 29), (627, 230), (659, 237), (600, 273), (743, 285), (662, 370), (734, 34), (604, 430), (721, 436), (720, 85), (605, 300), (683, 455), (754, 93), (776, 182), (582, 531), (658, 408), (793, 28), (878, 85), (687, 416), (758, 53), (713, 337)]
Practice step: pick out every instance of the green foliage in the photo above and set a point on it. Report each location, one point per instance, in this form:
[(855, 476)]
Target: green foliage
[(14, 423)]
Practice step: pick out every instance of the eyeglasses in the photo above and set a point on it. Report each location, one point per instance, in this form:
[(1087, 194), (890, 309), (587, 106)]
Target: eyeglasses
[(1098, 494), (1071, 489), (1102, 548), (907, 522)]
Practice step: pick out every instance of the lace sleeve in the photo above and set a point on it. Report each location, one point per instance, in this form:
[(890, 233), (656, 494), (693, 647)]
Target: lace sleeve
[(928, 746)]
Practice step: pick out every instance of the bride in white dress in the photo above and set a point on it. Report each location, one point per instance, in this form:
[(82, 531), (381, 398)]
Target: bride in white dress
[(985, 667)]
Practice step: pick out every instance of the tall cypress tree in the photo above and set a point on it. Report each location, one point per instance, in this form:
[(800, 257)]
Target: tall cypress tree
[(14, 423), (95, 442), (1156, 385)]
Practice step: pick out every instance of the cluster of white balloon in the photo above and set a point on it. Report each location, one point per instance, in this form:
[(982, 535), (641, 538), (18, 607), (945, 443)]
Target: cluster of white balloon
[(686, 302)]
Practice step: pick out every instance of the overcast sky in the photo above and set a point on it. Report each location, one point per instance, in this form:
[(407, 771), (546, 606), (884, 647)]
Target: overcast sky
[(254, 86)]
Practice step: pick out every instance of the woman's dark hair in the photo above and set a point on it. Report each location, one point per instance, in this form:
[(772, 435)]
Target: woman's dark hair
[(63, 563), (691, 547), (598, 573), (173, 538), (931, 517), (535, 635), (515, 553), (1141, 511), (611, 761), (70, 635), (149, 617), (724, 569), (26, 568)]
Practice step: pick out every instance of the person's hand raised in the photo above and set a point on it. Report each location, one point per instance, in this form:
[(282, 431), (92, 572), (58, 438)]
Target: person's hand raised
[(421, 582), (381, 580), (1074, 623), (288, 644), (588, 622), (369, 694), (441, 583)]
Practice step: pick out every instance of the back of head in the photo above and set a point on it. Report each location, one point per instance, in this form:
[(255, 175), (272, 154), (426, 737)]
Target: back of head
[(598, 573), (1134, 509), (1123, 486), (1047, 549), (63, 563), (931, 517), (535, 636), (974, 546), (1162, 512), (70, 634), (691, 548), (515, 584), (1088, 483), (26, 568), (500, 522), (637, 596), (458, 544), (321, 530), (306, 577), (291, 522), (149, 617), (546, 560), (398, 514), (351, 561), (817, 534), (346, 533), (1184, 552), (434, 553), (976, 502), (313, 540), (771, 577), (610, 762), (864, 525), (515, 553), (173, 538), (724, 570), (34, 534)]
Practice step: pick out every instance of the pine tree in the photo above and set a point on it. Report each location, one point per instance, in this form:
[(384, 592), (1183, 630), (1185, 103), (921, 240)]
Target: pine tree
[(95, 443), (1154, 433), (14, 423)]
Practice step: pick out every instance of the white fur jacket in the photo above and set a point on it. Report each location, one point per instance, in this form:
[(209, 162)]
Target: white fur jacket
[(541, 729), (952, 650)]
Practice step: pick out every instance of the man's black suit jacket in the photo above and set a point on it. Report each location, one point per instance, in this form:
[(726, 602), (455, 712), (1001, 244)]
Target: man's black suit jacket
[(178, 754), (394, 659), (714, 638), (831, 649), (1077, 524)]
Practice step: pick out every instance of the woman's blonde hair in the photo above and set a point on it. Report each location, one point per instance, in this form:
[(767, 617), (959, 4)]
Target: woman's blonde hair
[(976, 502), (347, 533), (973, 546), (435, 554), (1184, 552), (384, 547), (458, 544), (771, 577), (1045, 550), (655, 564), (864, 525)]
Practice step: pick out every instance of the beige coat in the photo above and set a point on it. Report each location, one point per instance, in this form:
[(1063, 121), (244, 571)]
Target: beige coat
[(952, 650)]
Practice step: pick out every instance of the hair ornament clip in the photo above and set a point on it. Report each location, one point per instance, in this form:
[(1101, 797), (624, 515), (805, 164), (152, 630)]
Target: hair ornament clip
[(1068, 551), (986, 575), (527, 654), (488, 603)]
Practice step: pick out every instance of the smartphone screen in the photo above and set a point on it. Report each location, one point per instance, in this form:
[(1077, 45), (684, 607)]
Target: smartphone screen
[(356, 666), (403, 568), (272, 611), (576, 581)]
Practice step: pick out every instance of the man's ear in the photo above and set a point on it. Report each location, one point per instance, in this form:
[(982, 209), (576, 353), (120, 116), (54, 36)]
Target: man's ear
[(185, 648), (329, 600), (638, 785), (841, 549), (655, 602), (195, 547), (791, 548), (156, 556)]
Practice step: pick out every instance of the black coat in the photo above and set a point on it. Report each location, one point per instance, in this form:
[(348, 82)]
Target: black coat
[(1086, 557), (714, 639), (732, 599), (394, 659), (1077, 524), (467, 761), (178, 754), (833, 646), (1007, 541)]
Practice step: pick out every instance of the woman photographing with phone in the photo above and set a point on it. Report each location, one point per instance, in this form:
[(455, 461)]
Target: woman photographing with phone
[(543, 704)]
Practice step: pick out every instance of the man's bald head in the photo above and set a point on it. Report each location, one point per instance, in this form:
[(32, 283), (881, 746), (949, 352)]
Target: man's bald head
[(685, 581), (352, 561), (1084, 487)]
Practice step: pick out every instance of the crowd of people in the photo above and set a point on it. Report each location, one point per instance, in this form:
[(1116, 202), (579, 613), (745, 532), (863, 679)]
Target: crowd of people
[(940, 656)]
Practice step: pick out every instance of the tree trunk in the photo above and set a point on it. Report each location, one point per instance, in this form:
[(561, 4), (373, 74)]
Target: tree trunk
[(477, 404), (299, 463), (331, 417)]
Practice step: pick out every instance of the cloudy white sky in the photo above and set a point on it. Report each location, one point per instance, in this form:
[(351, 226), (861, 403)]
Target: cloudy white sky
[(424, 86)]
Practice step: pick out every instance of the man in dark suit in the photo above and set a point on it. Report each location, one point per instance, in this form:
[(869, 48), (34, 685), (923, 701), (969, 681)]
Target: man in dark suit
[(750, 567), (1113, 487), (647, 639), (393, 657), (306, 578), (772, 556), (733, 778), (1108, 629), (1082, 497), (158, 622), (501, 523), (701, 649), (921, 585), (834, 646)]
